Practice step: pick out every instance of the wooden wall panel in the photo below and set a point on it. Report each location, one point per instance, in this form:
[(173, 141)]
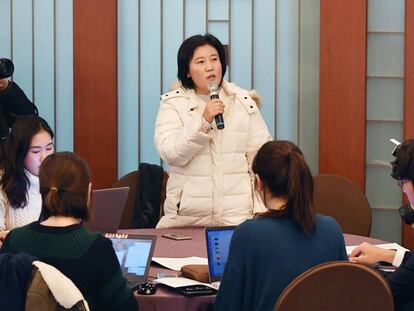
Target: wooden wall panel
[(95, 87), (408, 232), (342, 116)]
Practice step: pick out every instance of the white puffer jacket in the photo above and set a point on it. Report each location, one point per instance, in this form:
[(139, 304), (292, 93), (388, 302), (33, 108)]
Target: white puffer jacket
[(210, 181)]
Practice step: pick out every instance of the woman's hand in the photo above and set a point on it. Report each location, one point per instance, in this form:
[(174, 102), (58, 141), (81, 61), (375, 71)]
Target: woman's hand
[(213, 108), (4, 83), (369, 254)]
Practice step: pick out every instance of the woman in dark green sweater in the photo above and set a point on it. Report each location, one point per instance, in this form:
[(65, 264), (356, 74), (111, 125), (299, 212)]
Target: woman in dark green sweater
[(87, 258)]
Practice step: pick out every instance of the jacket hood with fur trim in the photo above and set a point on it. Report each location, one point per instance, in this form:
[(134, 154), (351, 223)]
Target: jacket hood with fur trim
[(230, 88)]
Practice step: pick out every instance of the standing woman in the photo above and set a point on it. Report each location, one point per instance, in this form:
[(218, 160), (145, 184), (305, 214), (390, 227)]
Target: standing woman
[(29, 143), (85, 257), (210, 181), (268, 252)]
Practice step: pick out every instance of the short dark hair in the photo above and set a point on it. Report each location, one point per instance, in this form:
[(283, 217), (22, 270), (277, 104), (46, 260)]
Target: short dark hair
[(284, 172), (14, 181), (186, 52), (64, 179), (403, 165)]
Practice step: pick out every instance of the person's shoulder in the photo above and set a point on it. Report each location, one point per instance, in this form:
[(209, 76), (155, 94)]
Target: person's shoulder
[(250, 99), (174, 94), (99, 246), (101, 241), (24, 230), (92, 235), (251, 225), (319, 218), (323, 221)]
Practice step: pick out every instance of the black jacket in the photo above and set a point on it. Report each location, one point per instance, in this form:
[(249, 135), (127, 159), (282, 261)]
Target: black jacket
[(13, 103), (402, 283), (147, 208), (15, 272)]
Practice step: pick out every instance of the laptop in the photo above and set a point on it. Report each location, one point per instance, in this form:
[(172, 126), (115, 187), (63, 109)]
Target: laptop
[(108, 205), (134, 253), (218, 244)]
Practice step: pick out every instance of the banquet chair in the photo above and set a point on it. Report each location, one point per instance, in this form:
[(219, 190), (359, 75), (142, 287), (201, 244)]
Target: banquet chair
[(133, 180), (50, 290), (340, 198), (339, 286)]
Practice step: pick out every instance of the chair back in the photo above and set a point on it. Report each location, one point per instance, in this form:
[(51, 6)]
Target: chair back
[(339, 286), (340, 198), (133, 181), (41, 297)]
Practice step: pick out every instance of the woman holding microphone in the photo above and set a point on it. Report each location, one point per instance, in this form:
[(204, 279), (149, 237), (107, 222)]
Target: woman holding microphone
[(210, 179)]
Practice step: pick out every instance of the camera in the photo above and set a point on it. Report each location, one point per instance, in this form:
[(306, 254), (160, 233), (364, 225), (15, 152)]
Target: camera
[(407, 214), (6, 68)]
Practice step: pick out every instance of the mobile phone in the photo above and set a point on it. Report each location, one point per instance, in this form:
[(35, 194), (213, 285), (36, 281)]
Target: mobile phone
[(176, 236)]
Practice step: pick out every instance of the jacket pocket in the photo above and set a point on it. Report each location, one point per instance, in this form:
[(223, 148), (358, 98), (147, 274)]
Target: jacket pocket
[(196, 198), (174, 194)]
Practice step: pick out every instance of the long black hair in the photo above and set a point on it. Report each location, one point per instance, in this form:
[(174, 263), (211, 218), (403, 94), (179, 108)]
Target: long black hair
[(285, 173), (14, 181)]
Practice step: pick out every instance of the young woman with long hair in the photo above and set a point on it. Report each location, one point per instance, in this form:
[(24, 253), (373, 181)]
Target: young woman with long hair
[(268, 252), (29, 143), (86, 257)]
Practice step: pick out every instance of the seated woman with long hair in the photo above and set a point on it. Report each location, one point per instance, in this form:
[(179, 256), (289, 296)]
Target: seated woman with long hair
[(268, 252), (29, 143), (86, 257)]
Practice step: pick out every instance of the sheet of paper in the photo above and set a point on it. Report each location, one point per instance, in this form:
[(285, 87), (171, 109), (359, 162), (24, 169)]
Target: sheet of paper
[(395, 246), (177, 263), (180, 281)]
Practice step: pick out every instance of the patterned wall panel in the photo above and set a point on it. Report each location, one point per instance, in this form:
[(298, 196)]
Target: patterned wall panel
[(264, 59), (37, 36), (128, 86), (385, 79), (273, 46), (150, 33)]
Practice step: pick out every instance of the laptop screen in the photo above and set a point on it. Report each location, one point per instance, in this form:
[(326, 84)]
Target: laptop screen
[(218, 243), (108, 205), (134, 253)]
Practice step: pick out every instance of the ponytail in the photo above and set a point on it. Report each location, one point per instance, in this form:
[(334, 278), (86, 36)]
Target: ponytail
[(300, 193), (284, 173), (64, 179), (51, 200)]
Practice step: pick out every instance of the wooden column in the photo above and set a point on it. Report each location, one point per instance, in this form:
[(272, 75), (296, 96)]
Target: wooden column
[(95, 87), (408, 232), (342, 116)]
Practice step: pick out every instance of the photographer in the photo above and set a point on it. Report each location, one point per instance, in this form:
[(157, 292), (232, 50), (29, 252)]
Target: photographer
[(13, 102), (402, 280)]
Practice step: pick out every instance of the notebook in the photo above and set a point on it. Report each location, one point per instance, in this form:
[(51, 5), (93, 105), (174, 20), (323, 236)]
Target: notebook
[(134, 253), (218, 243), (108, 205)]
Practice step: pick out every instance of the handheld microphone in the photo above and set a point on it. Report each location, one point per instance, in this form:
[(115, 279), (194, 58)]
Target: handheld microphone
[(214, 94)]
